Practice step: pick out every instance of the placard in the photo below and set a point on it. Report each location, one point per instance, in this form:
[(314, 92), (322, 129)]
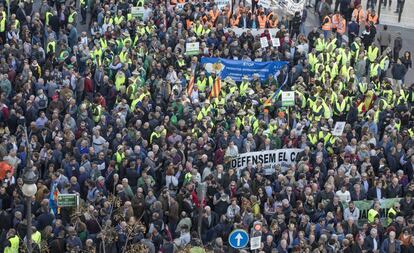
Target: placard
[(264, 42), (255, 242), (275, 42), (192, 48), (339, 128), (67, 200), (137, 12), (288, 98)]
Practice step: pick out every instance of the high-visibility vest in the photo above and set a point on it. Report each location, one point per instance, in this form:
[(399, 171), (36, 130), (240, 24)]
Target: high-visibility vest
[(330, 47), (335, 21), (382, 63), (372, 53), (373, 69), (201, 84), (104, 43), (363, 87), (97, 113), (203, 112), (118, 19), (411, 132), (51, 46), (83, 3), (327, 24), (262, 22), (119, 80), (154, 135), (373, 19), (340, 107), (320, 45), (14, 245), (390, 212), (72, 17), (119, 157), (317, 111), (37, 238), (198, 30), (359, 15), (3, 24), (140, 3), (372, 213), (243, 88), (341, 28), (313, 138), (47, 17), (356, 52)]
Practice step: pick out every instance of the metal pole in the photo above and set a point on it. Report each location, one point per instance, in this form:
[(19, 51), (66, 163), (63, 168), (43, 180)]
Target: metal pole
[(29, 224), (379, 10)]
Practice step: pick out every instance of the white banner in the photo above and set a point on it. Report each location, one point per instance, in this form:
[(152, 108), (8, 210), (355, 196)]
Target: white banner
[(268, 158), (223, 3), (292, 7), (255, 32)]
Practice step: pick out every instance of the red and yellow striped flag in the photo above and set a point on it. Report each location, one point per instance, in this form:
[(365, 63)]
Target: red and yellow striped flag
[(215, 92), (190, 86)]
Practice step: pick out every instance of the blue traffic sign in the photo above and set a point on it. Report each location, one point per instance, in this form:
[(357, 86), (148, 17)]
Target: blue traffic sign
[(238, 239)]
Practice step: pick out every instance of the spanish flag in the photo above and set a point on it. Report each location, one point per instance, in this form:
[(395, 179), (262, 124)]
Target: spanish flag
[(190, 86), (215, 92)]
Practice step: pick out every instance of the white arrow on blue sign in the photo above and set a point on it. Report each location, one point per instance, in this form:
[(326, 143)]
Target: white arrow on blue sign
[(238, 239)]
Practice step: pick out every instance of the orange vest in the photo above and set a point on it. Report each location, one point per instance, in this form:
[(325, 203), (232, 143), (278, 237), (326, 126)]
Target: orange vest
[(335, 21), (373, 19), (327, 26), (273, 23), (359, 15), (341, 27), (262, 22), (214, 15), (234, 22)]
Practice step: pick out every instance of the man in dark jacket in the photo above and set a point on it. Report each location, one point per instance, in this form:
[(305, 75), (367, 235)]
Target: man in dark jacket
[(295, 25), (398, 71)]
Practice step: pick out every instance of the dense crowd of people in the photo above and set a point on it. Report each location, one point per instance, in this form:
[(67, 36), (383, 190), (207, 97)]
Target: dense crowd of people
[(120, 114)]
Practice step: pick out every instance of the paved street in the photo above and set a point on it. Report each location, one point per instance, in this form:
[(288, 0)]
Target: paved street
[(389, 17)]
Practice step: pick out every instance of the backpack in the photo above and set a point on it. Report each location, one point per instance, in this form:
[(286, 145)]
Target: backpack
[(42, 102)]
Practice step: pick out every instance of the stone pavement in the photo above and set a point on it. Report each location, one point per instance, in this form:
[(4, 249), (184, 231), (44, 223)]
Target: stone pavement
[(389, 17)]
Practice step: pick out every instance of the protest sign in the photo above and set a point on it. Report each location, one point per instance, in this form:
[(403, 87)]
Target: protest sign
[(137, 12), (268, 158), (263, 42), (192, 48)]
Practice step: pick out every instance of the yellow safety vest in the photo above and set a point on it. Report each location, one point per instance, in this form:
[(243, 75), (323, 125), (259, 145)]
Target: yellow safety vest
[(118, 19), (14, 245), (313, 138), (372, 53), (3, 24), (47, 17), (52, 45), (119, 80), (37, 238), (119, 157), (243, 88), (391, 211), (72, 17), (320, 45), (372, 213), (154, 134), (201, 84), (373, 70)]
